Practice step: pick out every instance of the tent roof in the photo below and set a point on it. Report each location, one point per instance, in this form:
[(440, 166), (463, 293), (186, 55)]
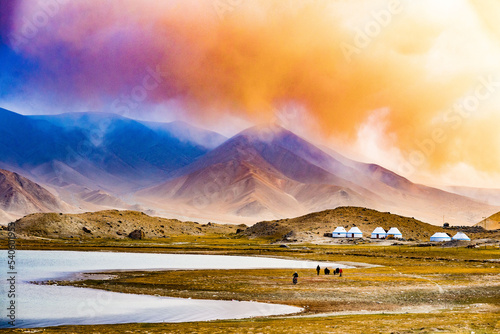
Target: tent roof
[(339, 229), (393, 230), (461, 236), (440, 235), (354, 229), (379, 230)]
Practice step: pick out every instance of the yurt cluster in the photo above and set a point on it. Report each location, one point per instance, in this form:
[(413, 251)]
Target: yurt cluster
[(355, 232), (380, 233)]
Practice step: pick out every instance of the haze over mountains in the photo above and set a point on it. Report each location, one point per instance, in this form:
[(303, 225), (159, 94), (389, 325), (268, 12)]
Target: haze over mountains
[(97, 160), (102, 151), (269, 172)]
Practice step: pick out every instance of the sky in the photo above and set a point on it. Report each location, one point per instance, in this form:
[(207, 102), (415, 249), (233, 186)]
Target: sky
[(411, 85)]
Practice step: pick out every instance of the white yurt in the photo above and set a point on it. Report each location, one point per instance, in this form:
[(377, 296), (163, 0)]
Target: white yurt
[(379, 233), (461, 236), (440, 236), (354, 232), (394, 232), (339, 232)]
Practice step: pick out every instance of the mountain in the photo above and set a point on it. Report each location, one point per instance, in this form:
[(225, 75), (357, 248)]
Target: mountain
[(98, 161), (490, 223), (269, 172), (27, 142), (20, 196), (94, 150), (485, 195), (187, 133), (86, 199), (250, 177), (126, 148)]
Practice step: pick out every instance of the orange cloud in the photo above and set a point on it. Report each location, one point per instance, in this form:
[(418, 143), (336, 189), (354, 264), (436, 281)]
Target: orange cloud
[(340, 60)]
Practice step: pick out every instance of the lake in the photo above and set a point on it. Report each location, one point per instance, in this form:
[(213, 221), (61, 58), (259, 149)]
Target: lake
[(50, 305)]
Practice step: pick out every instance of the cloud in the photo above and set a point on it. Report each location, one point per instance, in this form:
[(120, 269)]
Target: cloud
[(339, 60)]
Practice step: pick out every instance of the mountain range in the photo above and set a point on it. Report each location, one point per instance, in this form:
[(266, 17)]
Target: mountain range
[(99, 150), (94, 161), (271, 173)]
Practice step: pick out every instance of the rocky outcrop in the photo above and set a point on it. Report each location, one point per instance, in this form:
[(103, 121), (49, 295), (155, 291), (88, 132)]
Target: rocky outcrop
[(137, 235)]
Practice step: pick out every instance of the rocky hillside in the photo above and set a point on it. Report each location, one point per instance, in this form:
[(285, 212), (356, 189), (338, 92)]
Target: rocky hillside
[(310, 226), (111, 224), (20, 196)]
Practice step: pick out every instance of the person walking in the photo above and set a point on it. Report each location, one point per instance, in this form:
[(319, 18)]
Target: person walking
[(318, 269), (340, 272)]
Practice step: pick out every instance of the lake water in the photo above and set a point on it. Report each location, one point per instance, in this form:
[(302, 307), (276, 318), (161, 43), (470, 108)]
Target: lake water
[(49, 305)]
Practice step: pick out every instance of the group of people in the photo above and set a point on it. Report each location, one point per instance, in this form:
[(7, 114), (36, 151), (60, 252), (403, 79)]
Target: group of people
[(327, 271), (318, 269)]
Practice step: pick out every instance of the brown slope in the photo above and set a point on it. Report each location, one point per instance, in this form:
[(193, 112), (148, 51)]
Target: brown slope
[(235, 188), (112, 224), (282, 175), (250, 189), (380, 188), (490, 223), (20, 196), (104, 199), (251, 178), (410, 199), (5, 217)]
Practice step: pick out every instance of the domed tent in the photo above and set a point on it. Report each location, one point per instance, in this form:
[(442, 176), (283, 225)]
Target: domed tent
[(440, 236), (394, 232), (379, 233), (339, 232), (354, 232), (461, 236)]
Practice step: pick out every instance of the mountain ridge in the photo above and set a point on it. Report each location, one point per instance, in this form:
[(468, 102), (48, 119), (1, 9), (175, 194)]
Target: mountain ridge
[(100, 150), (263, 172), (309, 179)]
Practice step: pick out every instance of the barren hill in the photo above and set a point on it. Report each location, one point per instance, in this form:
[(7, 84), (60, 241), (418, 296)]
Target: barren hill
[(20, 196), (306, 227), (110, 224), (490, 223)]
